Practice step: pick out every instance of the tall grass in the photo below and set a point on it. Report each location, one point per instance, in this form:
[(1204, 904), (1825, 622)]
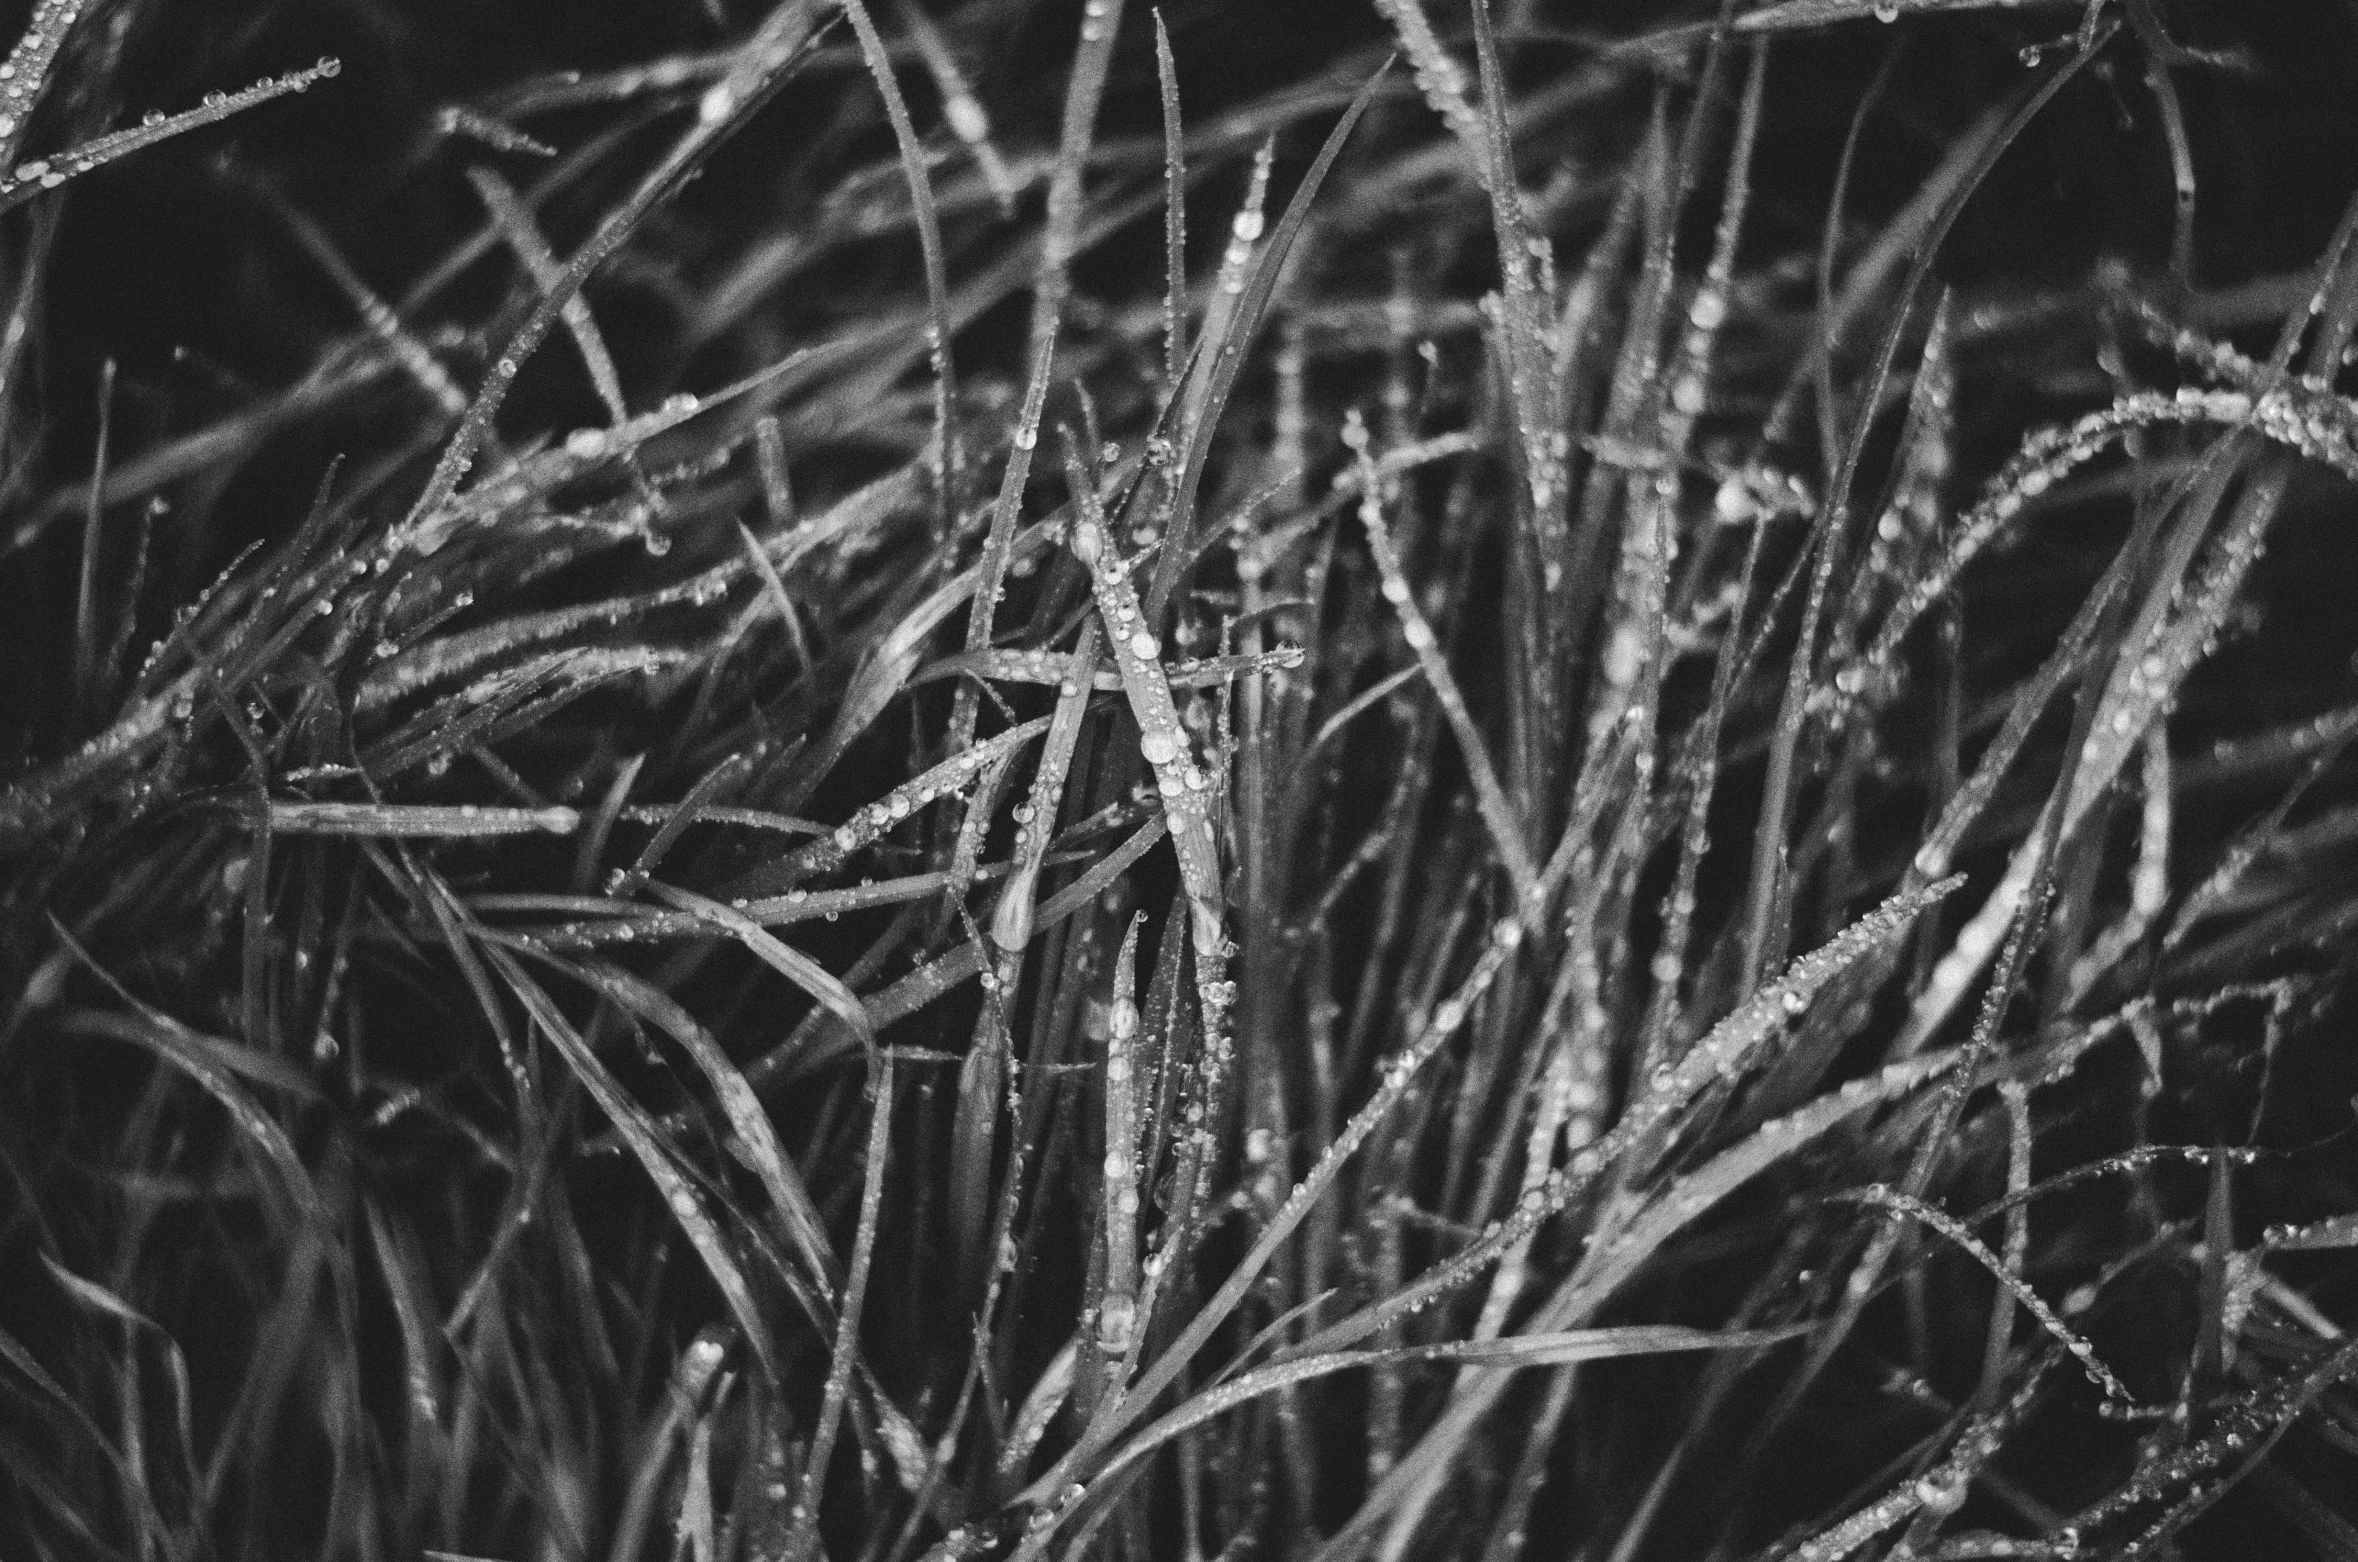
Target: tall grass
[(1028, 781)]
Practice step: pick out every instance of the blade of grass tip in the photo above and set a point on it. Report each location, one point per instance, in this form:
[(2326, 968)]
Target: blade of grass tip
[(966, 847), (1912, 520), (756, 1142), (771, 583), (458, 928), (1768, 887), (1035, 820), (1158, 1059), (756, 71), (1441, 79), (691, 1383), (1826, 322), (884, 668), (1084, 91), (640, 1134), (950, 778), (26, 286), (944, 456), (541, 264), (1184, 411), (256, 944), (114, 659), (1038, 1411), (1166, 72), (601, 824), (695, 1526), (454, 120), (999, 541), (131, 1462), (413, 356), (1522, 260), (1498, 813), (789, 962), (2119, 1400), (402, 1262), (962, 111), (777, 481), (85, 673), (1219, 369), (802, 1538), (716, 783)]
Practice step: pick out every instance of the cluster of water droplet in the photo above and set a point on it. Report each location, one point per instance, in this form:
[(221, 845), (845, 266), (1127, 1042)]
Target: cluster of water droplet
[(952, 777), (1438, 75)]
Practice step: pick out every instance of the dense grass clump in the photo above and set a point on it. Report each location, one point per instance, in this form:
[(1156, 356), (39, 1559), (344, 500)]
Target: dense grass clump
[(1012, 779)]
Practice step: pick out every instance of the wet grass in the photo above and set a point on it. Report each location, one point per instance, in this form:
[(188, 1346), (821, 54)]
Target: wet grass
[(1045, 780)]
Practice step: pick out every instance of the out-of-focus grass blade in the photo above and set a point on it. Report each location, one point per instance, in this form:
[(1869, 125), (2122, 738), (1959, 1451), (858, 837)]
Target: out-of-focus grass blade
[(1792, 14)]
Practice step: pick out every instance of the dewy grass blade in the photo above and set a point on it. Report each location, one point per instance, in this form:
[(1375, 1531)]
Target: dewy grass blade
[(663, 1201), (1219, 369)]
